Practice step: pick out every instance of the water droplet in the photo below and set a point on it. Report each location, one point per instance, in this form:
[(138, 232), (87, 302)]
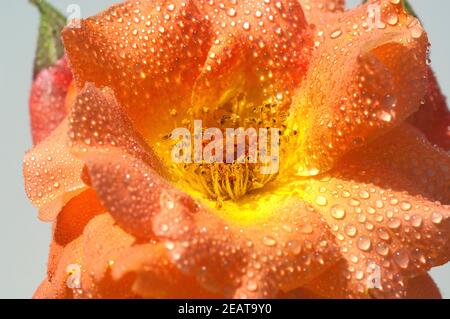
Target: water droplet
[(379, 203), (336, 34), (269, 241), (359, 275), (170, 7), (231, 12), (390, 101), (337, 212), (166, 201), (405, 206), (382, 249), (394, 201), (392, 19), (401, 258), (436, 217), (364, 243), (354, 259), (415, 29), (354, 202), (416, 221), (170, 245), (350, 230), (394, 223), (383, 234), (321, 200), (364, 194), (385, 116)]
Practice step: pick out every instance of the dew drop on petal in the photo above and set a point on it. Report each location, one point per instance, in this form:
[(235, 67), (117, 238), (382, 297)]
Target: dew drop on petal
[(405, 206), (401, 258), (336, 34), (364, 194), (415, 29), (385, 116), (382, 249), (436, 218), (170, 245), (164, 228), (350, 230), (338, 212), (383, 234), (392, 19), (321, 200), (416, 221), (364, 243), (269, 241), (231, 12), (359, 275), (354, 202), (394, 223)]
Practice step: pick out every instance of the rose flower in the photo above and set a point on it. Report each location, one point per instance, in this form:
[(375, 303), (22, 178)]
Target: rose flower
[(357, 209)]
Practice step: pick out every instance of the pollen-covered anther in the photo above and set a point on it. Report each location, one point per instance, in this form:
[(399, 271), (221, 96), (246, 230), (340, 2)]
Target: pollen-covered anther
[(222, 181), (248, 140), (240, 169)]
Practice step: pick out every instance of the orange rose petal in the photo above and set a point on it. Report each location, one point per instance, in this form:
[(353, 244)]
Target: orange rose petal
[(52, 174), (127, 187), (71, 95), (137, 198), (69, 271), (299, 293), (408, 151), (103, 243), (156, 275), (44, 291), (258, 260), (378, 222), (70, 224), (333, 285), (76, 214), (422, 287), (145, 51), (318, 11), (433, 118), (378, 79), (89, 258), (259, 53), (47, 99), (98, 122)]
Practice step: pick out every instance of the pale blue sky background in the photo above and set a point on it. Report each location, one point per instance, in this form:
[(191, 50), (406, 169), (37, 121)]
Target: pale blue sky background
[(24, 239)]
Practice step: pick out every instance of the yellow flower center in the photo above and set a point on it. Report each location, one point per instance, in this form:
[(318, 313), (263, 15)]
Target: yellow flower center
[(228, 180)]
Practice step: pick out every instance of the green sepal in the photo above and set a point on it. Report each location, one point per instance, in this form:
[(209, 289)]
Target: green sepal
[(49, 47)]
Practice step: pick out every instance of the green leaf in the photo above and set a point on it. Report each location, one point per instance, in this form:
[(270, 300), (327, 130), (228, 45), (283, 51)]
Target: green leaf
[(49, 47), (407, 6)]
